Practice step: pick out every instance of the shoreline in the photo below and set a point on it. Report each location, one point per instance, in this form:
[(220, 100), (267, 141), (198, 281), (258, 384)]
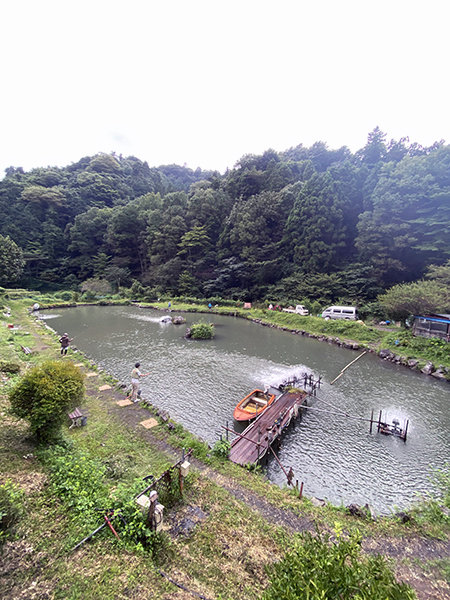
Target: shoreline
[(439, 372)]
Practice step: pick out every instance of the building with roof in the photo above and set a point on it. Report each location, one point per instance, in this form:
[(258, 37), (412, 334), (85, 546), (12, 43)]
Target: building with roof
[(432, 325)]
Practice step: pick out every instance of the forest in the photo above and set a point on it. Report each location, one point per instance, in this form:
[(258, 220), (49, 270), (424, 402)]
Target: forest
[(306, 223)]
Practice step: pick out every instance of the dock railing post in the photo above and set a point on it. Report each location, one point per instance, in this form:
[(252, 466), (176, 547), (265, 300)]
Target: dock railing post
[(259, 439), (371, 421), (226, 431)]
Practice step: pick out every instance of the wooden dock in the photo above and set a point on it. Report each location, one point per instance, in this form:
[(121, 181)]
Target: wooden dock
[(251, 445)]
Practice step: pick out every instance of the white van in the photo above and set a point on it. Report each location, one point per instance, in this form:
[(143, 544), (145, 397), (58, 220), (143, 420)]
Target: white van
[(341, 312)]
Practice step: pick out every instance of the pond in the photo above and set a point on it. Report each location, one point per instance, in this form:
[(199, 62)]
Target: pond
[(200, 382)]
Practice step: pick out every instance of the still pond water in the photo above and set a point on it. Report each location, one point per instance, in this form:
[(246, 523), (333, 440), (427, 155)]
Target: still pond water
[(200, 382)]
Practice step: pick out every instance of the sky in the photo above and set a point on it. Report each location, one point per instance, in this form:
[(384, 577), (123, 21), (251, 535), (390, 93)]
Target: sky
[(202, 83)]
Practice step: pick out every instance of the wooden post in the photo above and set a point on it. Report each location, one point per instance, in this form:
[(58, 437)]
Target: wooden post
[(379, 422), (406, 430), (153, 497), (259, 439), (300, 494), (371, 421), (180, 481), (226, 430)]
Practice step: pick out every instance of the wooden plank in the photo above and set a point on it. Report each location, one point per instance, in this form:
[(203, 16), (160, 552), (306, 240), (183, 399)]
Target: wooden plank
[(259, 435), (124, 402), (149, 423)]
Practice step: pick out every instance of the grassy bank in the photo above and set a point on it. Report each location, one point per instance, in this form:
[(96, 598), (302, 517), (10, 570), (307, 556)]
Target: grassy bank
[(242, 523), (366, 336)]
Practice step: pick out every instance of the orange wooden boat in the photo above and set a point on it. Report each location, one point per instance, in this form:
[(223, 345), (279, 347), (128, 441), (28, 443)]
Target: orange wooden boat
[(253, 405)]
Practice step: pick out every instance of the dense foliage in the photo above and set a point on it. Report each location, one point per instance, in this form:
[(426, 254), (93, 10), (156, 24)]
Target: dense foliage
[(201, 331), (419, 297), (320, 568), (313, 223), (11, 261), (44, 396)]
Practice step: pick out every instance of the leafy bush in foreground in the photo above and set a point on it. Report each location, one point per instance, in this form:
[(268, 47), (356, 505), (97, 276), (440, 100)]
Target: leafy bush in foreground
[(77, 480), (318, 568), (45, 394)]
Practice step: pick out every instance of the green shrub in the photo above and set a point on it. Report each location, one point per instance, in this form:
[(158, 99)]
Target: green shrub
[(66, 296), (9, 367), (137, 290), (88, 296), (222, 448), (137, 531), (45, 395), (77, 480), (202, 331), (318, 568), (11, 509), (433, 349)]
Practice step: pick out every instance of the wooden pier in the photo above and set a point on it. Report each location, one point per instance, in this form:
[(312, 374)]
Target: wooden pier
[(251, 445)]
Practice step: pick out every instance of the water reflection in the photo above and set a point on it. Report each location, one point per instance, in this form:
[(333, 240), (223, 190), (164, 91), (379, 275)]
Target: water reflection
[(199, 383)]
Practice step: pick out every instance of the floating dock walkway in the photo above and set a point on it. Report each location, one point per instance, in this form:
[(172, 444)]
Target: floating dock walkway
[(254, 442)]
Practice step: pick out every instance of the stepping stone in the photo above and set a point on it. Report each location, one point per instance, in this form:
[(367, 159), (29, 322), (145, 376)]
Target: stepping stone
[(149, 423), (102, 388), (125, 402), (78, 365), (91, 374)]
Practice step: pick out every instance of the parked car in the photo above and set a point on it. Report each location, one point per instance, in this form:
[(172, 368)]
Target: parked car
[(341, 312), (299, 310)]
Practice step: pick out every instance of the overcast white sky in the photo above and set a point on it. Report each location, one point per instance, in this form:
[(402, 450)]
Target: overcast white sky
[(203, 82)]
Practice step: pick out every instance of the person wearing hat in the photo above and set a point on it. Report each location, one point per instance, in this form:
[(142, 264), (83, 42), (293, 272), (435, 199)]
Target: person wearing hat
[(65, 342), (135, 376)]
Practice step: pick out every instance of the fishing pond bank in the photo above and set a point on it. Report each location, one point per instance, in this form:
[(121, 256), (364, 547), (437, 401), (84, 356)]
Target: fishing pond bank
[(230, 524)]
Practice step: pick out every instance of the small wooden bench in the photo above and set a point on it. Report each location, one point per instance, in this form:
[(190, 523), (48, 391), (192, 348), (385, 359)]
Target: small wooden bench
[(26, 349), (77, 418)]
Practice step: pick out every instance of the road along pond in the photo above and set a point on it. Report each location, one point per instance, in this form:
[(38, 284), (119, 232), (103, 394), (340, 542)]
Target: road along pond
[(200, 382)]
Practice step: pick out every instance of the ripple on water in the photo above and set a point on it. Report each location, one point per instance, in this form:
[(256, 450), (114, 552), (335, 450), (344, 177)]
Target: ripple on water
[(199, 383)]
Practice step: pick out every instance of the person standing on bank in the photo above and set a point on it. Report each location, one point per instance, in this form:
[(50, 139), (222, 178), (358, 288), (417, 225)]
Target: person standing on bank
[(135, 376), (65, 342)]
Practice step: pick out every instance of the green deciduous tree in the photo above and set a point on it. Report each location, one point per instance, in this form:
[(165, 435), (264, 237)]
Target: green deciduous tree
[(316, 230), (11, 261), (409, 226), (415, 298)]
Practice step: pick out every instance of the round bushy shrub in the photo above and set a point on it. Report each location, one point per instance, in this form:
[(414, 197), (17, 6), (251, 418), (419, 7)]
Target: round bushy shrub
[(64, 295), (202, 331), (45, 395)]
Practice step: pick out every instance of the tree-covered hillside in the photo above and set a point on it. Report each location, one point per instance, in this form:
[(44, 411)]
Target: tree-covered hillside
[(305, 223)]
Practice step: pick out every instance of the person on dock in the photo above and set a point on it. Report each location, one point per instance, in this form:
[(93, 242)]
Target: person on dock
[(135, 376), (64, 340)]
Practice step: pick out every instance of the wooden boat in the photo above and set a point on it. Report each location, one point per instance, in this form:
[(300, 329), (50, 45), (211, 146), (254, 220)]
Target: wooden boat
[(253, 405)]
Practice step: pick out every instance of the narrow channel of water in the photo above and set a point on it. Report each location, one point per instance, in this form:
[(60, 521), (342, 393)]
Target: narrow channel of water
[(200, 382)]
